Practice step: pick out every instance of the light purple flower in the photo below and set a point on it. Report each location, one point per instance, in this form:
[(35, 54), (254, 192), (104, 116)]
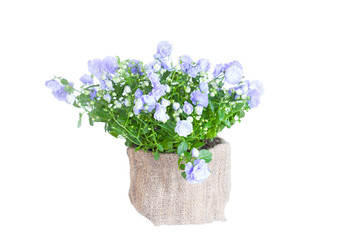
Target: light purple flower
[(139, 105), (135, 66), (106, 85), (93, 94), (107, 97), (110, 64), (197, 172), (154, 66), (96, 68), (165, 102), (138, 93), (233, 73), (204, 87), (203, 65), (60, 94), (188, 108), (192, 72), (160, 113), (166, 64), (58, 91), (195, 153), (219, 68), (164, 50), (183, 128), (149, 102), (185, 63), (154, 79), (255, 91), (158, 91), (53, 84), (87, 79), (199, 98)]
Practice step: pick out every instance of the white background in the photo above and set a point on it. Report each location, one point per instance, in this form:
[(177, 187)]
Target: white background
[(295, 158)]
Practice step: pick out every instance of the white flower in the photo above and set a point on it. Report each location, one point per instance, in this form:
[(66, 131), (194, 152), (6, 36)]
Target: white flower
[(168, 89), (157, 66), (165, 102), (127, 89), (109, 84), (117, 104), (107, 97), (176, 105), (199, 109), (239, 92), (116, 79), (195, 153), (70, 98), (127, 102)]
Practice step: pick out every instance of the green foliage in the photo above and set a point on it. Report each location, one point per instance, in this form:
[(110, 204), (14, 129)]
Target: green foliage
[(143, 131)]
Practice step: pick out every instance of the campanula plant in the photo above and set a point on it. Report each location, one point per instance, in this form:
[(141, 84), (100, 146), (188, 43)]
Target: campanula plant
[(163, 106)]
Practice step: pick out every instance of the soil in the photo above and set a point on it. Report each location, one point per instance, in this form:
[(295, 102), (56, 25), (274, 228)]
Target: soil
[(210, 144)]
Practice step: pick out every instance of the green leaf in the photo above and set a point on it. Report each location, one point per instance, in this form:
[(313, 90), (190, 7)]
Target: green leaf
[(205, 154), (211, 106), (76, 105), (183, 174), (137, 148), (79, 121), (156, 155), (168, 128), (165, 75), (241, 114), (183, 146), (221, 115), (226, 123), (91, 121), (211, 133), (167, 144), (64, 81), (114, 133), (160, 147), (182, 166), (198, 145), (238, 106)]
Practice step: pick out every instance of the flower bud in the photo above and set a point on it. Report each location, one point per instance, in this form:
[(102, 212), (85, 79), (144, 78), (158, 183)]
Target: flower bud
[(195, 153)]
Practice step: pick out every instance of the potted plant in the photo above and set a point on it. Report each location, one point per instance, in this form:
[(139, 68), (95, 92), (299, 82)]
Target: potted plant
[(169, 114)]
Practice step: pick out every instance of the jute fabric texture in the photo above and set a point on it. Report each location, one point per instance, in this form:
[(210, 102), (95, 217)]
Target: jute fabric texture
[(159, 192)]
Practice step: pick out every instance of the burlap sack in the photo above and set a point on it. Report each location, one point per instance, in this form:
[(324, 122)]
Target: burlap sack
[(159, 192)]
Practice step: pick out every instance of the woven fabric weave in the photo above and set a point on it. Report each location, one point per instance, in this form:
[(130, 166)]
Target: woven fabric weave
[(159, 193)]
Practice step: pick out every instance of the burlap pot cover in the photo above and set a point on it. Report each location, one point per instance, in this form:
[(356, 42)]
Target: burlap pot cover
[(159, 192)]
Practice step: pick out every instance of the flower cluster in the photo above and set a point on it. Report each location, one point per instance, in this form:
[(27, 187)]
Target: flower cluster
[(163, 106)]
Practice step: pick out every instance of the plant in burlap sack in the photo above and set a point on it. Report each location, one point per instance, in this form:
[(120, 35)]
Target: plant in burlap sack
[(163, 106)]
